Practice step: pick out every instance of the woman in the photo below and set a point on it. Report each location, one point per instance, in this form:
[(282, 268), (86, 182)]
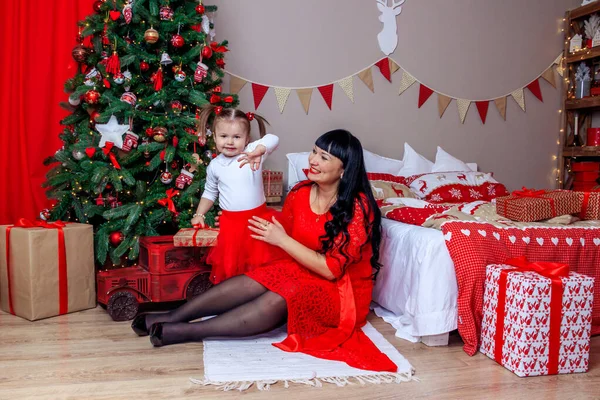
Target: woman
[(323, 290)]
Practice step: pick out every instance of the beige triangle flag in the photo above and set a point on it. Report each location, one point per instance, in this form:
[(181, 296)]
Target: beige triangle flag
[(443, 102), (236, 84), (519, 98), (558, 59), (407, 81), (501, 106), (367, 77), (348, 87), (548, 75), (463, 107), (393, 66), (282, 95), (304, 95)]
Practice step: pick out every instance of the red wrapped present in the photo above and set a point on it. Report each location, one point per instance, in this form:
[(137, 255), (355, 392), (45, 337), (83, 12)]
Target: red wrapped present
[(529, 205), (537, 317), (46, 269), (192, 237), (590, 205), (273, 183)]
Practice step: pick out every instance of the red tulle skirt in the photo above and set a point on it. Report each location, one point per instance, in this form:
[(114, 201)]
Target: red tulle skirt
[(236, 252)]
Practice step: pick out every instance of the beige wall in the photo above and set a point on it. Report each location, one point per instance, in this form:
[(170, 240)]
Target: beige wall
[(465, 48)]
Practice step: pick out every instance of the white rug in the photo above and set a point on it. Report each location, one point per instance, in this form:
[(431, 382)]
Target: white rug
[(239, 363)]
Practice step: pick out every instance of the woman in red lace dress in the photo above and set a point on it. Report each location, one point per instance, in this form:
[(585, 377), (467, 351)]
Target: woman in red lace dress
[(330, 228)]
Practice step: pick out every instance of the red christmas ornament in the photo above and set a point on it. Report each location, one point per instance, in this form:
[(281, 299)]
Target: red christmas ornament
[(149, 132), (221, 63), (207, 52), (91, 97), (177, 41), (98, 6), (116, 238), (176, 107), (45, 214), (200, 9), (144, 66), (114, 15), (94, 116)]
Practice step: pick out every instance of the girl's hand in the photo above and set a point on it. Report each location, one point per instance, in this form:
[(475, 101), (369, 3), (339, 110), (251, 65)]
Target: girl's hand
[(253, 158), (270, 232), (198, 222), (217, 218)]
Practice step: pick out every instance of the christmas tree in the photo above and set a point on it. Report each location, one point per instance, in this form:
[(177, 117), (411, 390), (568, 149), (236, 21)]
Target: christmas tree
[(133, 161)]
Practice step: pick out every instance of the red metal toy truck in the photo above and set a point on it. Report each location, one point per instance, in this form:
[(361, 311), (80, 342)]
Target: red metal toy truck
[(165, 273)]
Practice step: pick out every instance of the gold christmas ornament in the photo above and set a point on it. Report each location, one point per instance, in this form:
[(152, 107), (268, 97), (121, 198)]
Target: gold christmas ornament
[(151, 36), (160, 134)]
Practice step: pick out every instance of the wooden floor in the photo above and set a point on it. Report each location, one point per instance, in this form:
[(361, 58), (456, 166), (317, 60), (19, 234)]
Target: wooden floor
[(87, 355)]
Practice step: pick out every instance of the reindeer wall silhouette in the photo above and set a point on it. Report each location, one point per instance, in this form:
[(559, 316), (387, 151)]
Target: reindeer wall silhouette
[(388, 37)]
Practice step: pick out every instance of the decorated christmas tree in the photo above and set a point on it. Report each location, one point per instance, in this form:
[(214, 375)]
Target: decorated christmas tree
[(133, 161)]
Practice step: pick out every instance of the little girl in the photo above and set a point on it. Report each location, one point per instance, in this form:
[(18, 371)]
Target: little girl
[(235, 177)]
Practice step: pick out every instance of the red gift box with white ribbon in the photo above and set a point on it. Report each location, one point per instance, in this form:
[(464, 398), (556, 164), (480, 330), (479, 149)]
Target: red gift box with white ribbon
[(537, 318)]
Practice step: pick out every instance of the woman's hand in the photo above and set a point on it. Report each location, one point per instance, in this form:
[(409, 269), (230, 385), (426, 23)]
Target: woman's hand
[(253, 158), (198, 222), (270, 232)]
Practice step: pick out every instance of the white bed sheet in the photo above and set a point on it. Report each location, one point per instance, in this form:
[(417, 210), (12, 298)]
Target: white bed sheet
[(416, 290)]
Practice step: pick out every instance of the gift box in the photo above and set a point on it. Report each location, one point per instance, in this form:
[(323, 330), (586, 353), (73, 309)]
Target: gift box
[(46, 269), (590, 205), (273, 183), (533, 325), (192, 237), (537, 205)]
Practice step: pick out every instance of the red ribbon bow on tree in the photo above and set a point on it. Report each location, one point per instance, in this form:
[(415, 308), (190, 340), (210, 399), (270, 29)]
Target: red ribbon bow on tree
[(168, 201), (218, 49), (107, 152), (550, 270)]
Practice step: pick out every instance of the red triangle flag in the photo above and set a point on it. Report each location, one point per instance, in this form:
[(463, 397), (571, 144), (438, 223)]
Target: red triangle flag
[(424, 94), (327, 93), (384, 67), (534, 87), (482, 107), (258, 91)]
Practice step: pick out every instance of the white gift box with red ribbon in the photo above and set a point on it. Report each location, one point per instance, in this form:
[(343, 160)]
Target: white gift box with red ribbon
[(536, 333)]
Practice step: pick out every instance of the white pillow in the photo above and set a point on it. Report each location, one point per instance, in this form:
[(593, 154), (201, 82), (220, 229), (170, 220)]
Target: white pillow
[(383, 165), (373, 163), (445, 162), (414, 163)]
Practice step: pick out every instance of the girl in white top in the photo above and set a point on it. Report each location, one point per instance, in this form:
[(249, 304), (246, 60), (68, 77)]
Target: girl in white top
[(235, 177)]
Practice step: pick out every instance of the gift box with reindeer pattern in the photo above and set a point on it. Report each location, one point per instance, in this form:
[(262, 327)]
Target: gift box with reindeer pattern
[(525, 336)]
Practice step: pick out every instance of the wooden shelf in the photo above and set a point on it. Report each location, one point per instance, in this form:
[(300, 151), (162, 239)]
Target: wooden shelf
[(585, 10), (584, 55), (586, 102), (581, 151)]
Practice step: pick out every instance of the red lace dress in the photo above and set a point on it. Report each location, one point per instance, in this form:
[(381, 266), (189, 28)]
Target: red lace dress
[(325, 317)]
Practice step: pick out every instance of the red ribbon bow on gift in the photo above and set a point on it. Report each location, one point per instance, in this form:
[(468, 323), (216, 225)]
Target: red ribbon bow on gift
[(218, 49), (63, 287), (550, 270), (528, 192), (168, 201), (107, 152)]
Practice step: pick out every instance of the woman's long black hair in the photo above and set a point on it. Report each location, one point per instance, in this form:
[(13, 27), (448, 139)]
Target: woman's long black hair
[(353, 185)]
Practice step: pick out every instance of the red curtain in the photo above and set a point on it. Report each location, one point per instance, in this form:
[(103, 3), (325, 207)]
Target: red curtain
[(35, 63)]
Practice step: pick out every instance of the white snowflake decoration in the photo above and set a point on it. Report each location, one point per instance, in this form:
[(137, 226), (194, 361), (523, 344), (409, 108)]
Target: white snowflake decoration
[(475, 194), (436, 197), (491, 190), (455, 193)]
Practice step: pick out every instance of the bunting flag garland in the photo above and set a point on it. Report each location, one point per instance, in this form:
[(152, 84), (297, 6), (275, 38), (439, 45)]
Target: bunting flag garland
[(424, 94), (282, 95), (443, 102), (519, 98), (501, 106), (258, 91), (482, 108), (304, 95), (463, 107), (367, 77), (384, 68), (348, 86), (387, 67), (327, 93), (534, 87)]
